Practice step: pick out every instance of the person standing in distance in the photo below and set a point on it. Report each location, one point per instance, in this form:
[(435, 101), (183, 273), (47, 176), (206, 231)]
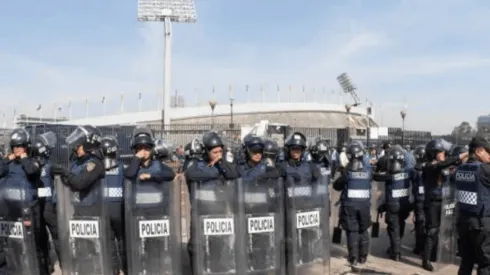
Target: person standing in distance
[(472, 180)]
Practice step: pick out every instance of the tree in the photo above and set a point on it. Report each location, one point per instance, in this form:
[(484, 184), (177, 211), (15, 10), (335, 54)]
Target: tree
[(463, 132)]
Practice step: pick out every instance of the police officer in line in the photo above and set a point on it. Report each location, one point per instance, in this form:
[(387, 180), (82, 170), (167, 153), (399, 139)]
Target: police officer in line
[(457, 150), (86, 173), (192, 152), (162, 152), (419, 198), (320, 155), (382, 163), (114, 196), (256, 167), (211, 167), (271, 152), (397, 197), (472, 181), (143, 166), (22, 177), (3, 173), (295, 165), (41, 151), (355, 211), (436, 176)]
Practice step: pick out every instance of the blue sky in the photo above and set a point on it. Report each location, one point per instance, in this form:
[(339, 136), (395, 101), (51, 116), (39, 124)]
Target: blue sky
[(431, 56)]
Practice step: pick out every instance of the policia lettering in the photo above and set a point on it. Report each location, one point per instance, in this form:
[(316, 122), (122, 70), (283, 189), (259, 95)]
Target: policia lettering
[(308, 219), (11, 230), (218, 227), (154, 228), (260, 225), (84, 229)]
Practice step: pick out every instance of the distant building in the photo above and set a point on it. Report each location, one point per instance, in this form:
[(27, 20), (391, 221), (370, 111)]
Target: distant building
[(483, 124), (24, 120)]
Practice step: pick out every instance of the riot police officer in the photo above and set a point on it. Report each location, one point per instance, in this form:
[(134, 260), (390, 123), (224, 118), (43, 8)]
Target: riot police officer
[(20, 195), (192, 151), (473, 203), (435, 177), (41, 151), (295, 165), (150, 188), (355, 211), (456, 151), (320, 155), (419, 198), (271, 151), (210, 170), (256, 167), (114, 196), (397, 197), (84, 179)]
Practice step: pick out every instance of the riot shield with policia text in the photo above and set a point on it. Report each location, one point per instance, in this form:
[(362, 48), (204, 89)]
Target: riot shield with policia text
[(446, 240), (307, 226), (153, 227), (215, 247), (262, 226), (18, 221), (84, 231)]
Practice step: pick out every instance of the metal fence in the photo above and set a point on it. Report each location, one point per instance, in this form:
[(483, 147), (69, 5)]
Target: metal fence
[(182, 134)]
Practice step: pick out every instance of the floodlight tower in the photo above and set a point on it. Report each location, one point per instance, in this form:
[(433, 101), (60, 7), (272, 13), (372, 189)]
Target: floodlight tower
[(167, 11)]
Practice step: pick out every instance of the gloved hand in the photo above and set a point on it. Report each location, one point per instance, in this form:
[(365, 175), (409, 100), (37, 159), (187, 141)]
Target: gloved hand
[(57, 169), (382, 208)]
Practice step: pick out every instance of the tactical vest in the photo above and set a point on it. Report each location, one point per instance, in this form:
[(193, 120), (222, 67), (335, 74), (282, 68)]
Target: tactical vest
[(90, 195), (17, 185), (249, 173), (302, 168), (398, 188), (418, 189), (46, 190), (471, 195), (113, 184), (433, 190), (358, 187), (149, 193)]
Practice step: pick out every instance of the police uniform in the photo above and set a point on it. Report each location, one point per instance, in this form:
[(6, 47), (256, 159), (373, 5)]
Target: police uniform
[(355, 212), (418, 192), (397, 197), (472, 181)]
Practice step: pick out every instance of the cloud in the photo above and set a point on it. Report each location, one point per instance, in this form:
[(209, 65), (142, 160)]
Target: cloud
[(415, 52)]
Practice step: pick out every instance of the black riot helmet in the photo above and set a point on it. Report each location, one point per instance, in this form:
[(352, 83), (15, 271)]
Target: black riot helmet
[(163, 150), (458, 150), (436, 146), (142, 136), (110, 148), (193, 149), (87, 136), (271, 149), (396, 159), (253, 144), (320, 149), (211, 140), (296, 139), (419, 154), (20, 138), (42, 145), (355, 154)]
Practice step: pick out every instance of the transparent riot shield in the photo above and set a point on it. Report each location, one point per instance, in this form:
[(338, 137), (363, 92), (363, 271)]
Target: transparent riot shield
[(18, 221), (214, 247), (84, 230), (262, 230), (153, 234), (307, 227), (446, 240)]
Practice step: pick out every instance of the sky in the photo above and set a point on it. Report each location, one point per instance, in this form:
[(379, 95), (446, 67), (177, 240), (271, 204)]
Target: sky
[(431, 58)]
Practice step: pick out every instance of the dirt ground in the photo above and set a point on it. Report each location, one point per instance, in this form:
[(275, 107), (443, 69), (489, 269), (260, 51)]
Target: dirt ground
[(378, 262)]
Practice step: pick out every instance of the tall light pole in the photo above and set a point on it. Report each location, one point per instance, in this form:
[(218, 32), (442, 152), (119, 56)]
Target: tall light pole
[(212, 104), (348, 107), (167, 11), (403, 114), (231, 113)]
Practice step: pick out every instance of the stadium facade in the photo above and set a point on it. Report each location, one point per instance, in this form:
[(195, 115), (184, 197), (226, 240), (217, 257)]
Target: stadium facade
[(293, 114)]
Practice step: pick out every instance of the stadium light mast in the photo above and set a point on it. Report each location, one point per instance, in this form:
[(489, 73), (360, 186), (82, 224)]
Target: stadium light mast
[(167, 11), (349, 88)]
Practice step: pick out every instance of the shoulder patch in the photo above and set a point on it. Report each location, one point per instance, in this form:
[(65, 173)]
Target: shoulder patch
[(90, 166)]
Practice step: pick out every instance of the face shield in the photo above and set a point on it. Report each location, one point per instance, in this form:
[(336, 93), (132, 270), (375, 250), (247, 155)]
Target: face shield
[(49, 139), (77, 138)]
